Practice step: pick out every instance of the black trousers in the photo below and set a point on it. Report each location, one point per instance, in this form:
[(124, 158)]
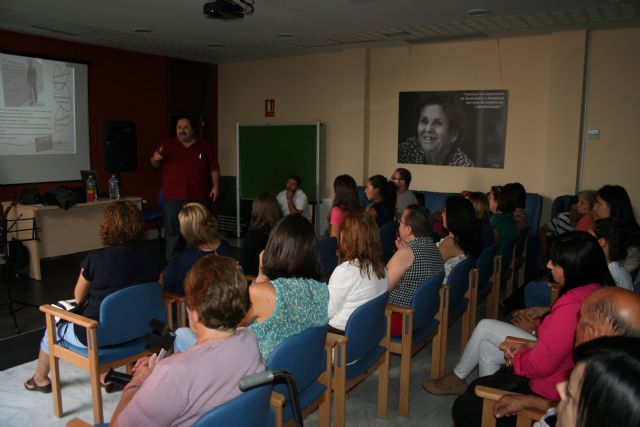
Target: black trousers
[(467, 408)]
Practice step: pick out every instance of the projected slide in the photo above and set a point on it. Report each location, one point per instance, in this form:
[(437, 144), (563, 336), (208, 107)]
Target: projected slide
[(37, 113)]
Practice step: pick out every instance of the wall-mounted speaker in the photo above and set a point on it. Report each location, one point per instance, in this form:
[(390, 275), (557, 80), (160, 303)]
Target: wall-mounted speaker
[(120, 146)]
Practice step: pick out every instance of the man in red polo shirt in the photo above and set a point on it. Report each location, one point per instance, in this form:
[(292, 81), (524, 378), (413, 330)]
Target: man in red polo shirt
[(190, 173)]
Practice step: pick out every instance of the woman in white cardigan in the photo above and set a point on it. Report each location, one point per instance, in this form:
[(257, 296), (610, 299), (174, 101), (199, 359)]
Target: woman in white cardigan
[(362, 275)]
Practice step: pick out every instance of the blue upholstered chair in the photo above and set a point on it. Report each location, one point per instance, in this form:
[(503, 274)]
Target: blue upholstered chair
[(155, 214), (462, 296), (434, 200), (388, 239), (560, 204), (422, 323), (327, 247), (362, 197), (506, 252), (251, 408), (307, 357), (533, 209), (116, 340), (520, 258), (488, 271), (363, 350)]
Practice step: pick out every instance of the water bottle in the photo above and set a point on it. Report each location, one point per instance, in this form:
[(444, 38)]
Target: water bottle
[(92, 189), (114, 188)]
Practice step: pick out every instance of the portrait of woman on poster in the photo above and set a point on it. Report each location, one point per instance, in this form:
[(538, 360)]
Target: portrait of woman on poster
[(440, 126)]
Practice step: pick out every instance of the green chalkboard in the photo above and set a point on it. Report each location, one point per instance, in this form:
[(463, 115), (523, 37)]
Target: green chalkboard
[(267, 155)]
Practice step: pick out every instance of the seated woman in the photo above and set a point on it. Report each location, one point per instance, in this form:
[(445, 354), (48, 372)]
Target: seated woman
[(362, 275), (565, 222), (502, 202), (416, 260), (382, 195), (181, 388), (612, 201), (480, 203), (200, 229), (345, 200), (519, 213), (579, 264), (265, 213), (122, 263), (614, 237), (464, 239), (607, 370), (288, 296)]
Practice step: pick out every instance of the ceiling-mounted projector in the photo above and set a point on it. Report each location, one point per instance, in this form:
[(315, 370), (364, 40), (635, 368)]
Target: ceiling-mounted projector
[(223, 9)]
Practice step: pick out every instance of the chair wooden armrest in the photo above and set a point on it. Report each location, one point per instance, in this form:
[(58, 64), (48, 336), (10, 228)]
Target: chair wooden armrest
[(76, 319), (391, 308), (173, 296), (514, 340), (277, 399), (490, 392), (277, 404), (77, 422), (491, 395), (334, 340)]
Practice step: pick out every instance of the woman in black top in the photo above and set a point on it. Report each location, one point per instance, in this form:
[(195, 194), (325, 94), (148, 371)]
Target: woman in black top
[(265, 213), (123, 262)]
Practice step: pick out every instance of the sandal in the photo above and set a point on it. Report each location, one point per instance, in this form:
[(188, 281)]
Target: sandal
[(31, 385)]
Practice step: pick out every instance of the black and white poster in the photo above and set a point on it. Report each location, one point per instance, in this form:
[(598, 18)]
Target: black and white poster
[(453, 128)]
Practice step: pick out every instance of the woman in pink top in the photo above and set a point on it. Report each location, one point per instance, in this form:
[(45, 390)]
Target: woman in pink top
[(176, 391), (578, 263), (344, 201)]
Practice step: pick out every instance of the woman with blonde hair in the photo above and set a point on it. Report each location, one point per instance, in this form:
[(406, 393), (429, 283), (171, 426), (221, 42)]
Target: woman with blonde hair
[(200, 229), (362, 275)]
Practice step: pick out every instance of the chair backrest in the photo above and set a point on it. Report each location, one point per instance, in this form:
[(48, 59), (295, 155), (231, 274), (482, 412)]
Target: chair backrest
[(366, 327), (434, 200), (303, 356), (328, 257), (161, 198), (506, 250), (485, 267), (521, 239), (388, 239), (251, 408), (560, 204), (533, 210), (125, 314), (426, 301), (362, 197), (458, 282)]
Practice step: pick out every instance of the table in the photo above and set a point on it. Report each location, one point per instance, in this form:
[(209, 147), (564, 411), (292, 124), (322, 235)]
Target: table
[(60, 232)]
